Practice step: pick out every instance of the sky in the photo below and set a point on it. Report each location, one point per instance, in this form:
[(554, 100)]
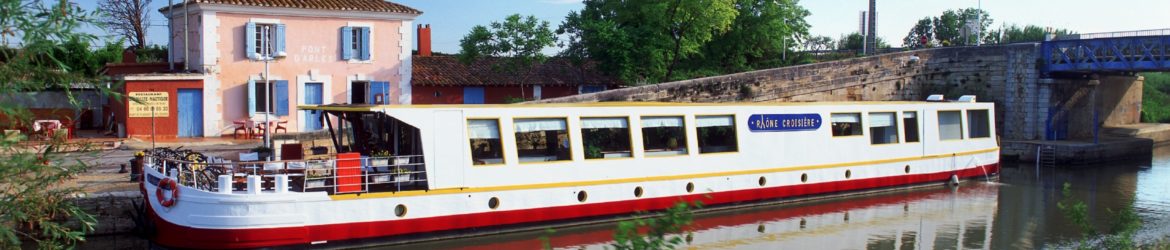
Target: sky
[(450, 20)]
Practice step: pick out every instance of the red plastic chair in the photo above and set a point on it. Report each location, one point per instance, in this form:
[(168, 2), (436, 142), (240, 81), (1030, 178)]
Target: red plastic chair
[(280, 126), (242, 126)]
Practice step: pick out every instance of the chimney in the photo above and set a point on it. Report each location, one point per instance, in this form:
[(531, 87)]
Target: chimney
[(424, 40)]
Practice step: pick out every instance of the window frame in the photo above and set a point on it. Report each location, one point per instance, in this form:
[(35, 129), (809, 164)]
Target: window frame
[(987, 125), (516, 140), (685, 140), (895, 123), (917, 126), (356, 42), (499, 131), (734, 132), (860, 125), (629, 133), (938, 124)]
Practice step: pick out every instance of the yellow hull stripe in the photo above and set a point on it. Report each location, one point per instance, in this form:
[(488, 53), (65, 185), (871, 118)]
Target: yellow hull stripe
[(643, 179)]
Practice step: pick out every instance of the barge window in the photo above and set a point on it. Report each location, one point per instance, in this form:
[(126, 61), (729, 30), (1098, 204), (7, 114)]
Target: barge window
[(846, 124), (664, 136), (978, 124), (950, 125), (716, 134), (484, 138), (606, 137), (883, 128), (910, 125), (544, 139)]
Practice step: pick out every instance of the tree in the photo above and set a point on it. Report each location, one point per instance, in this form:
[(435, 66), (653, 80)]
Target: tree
[(645, 40), (817, 43), (33, 206), (855, 41), (1016, 34), (516, 43), (127, 18), (763, 35), (949, 29), (920, 35)]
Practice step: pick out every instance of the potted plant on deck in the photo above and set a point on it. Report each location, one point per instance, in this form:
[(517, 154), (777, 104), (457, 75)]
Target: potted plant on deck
[(401, 174), (380, 158)]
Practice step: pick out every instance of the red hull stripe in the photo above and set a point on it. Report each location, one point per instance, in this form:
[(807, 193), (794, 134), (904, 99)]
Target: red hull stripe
[(170, 234)]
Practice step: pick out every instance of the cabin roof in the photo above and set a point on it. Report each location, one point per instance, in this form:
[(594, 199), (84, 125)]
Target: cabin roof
[(365, 107)]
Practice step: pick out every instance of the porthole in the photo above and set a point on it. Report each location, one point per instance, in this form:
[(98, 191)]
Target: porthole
[(582, 196), (690, 238), (803, 178), (848, 174), (763, 181), (400, 210), (690, 187), (803, 223), (846, 216), (494, 203), (638, 192), (761, 228), (907, 169)]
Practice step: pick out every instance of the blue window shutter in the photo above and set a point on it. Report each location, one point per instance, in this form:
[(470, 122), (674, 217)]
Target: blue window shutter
[(281, 92), (365, 43), (382, 89), (346, 43), (251, 98), (250, 40), (279, 39)]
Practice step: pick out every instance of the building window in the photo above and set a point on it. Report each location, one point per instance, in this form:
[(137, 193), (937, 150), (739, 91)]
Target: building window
[(664, 136), (950, 125), (264, 40), (910, 125), (978, 124), (846, 124), (586, 89), (277, 102), (355, 42), (716, 134), (357, 92), (484, 137), (883, 128), (606, 137), (544, 139)]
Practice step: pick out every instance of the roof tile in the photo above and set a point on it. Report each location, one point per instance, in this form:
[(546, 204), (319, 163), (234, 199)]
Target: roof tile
[(344, 5)]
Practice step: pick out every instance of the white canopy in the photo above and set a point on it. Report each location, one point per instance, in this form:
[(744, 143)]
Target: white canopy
[(881, 119), (714, 121), (483, 129), (531, 125), (654, 122), (610, 122)]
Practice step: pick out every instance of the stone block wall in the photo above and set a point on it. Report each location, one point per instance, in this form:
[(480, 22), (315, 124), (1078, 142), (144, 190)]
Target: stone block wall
[(1005, 74)]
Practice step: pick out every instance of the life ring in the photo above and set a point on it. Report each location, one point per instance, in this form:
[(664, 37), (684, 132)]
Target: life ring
[(158, 192)]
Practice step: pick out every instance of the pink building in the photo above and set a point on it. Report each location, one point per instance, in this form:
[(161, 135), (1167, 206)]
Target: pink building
[(319, 52)]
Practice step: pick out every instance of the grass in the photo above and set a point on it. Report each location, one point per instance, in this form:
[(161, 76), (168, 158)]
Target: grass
[(1156, 98)]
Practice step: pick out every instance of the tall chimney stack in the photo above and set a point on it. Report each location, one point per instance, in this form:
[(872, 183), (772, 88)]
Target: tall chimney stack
[(424, 40)]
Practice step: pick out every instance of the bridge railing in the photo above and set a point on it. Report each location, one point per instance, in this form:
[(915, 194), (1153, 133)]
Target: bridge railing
[(1132, 33)]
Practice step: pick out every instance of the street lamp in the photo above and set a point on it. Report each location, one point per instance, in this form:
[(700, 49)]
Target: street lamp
[(267, 56)]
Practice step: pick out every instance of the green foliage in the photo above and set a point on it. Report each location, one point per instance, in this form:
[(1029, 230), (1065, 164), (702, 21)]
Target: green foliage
[(948, 29), (763, 35), (517, 42), (855, 41), (662, 232), (42, 50), (1017, 34), (645, 41), (512, 99), (1120, 234), (152, 53), (1155, 98)]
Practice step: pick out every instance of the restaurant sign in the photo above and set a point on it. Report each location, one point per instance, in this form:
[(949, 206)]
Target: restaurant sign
[(783, 122), (159, 101)]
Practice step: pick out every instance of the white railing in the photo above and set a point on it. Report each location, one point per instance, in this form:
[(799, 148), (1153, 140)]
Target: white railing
[(361, 175)]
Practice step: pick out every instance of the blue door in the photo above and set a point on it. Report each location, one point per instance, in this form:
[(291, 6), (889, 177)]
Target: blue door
[(190, 112), (472, 95), (313, 96)]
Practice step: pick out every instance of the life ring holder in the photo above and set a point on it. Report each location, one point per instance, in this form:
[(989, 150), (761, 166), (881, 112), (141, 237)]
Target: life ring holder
[(173, 186)]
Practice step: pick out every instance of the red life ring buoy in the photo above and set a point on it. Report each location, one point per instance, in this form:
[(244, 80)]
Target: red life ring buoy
[(158, 192)]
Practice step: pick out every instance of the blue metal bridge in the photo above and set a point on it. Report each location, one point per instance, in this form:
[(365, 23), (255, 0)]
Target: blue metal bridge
[(1130, 51)]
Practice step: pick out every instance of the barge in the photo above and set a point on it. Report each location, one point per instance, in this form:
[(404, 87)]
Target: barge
[(399, 170)]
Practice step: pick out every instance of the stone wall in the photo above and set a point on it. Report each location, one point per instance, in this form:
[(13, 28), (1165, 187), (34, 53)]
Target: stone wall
[(1005, 74)]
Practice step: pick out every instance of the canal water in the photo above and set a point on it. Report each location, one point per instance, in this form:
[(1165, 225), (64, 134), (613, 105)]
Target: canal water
[(1017, 211)]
